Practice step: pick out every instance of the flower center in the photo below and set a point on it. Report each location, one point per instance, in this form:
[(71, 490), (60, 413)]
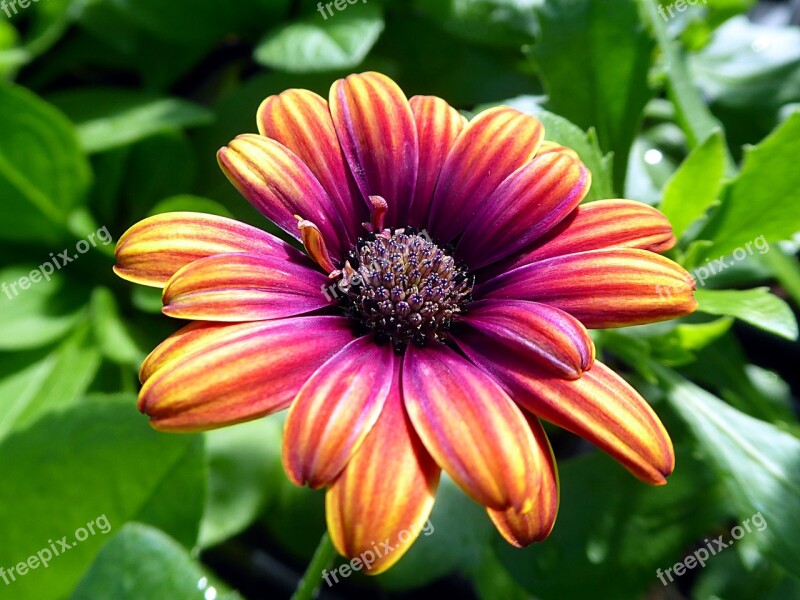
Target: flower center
[(404, 287)]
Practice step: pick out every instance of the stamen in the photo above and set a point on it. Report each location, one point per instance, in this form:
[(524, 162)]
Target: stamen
[(404, 287), (378, 207)]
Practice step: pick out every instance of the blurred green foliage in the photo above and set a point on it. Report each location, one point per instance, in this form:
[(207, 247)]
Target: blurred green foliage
[(112, 110)]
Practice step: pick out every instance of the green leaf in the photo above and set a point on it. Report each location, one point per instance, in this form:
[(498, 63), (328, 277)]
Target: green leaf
[(785, 267), (693, 115), (111, 117), (43, 173), (244, 472), (594, 59), (33, 383), (116, 340), (38, 305), (11, 56), (610, 523), (744, 574), (491, 580), (509, 23), (749, 64), (320, 43), (211, 20), (109, 462), (190, 203), (160, 167), (759, 462), (722, 368), (142, 562), (459, 530), (757, 306), (764, 200), (696, 184)]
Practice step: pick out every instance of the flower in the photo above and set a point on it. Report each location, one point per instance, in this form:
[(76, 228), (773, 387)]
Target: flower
[(440, 309)]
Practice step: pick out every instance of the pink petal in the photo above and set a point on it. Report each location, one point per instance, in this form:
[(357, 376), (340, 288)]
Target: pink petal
[(154, 249), (596, 226), (243, 287), (386, 491), (494, 144), (537, 333), (438, 126), (601, 288), (377, 133), (335, 410), (471, 428), (301, 121), (600, 407), (522, 529), (277, 182), (533, 200), (208, 375)]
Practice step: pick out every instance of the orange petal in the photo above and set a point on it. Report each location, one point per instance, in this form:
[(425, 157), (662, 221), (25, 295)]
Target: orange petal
[(549, 147), (598, 225), (243, 287), (535, 332), (602, 288), (380, 502), (376, 129), (209, 375), (493, 145), (151, 251), (524, 207), (600, 407), (522, 529), (335, 410), (279, 185), (438, 126), (471, 428), (315, 245), (301, 121)]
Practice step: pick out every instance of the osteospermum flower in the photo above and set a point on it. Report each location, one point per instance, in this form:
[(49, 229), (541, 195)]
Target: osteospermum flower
[(440, 308)]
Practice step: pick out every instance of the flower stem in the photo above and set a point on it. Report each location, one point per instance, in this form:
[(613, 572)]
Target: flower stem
[(312, 579)]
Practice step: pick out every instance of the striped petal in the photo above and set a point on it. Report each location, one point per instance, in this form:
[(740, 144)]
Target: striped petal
[(522, 529), (537, 333), (386, 492), (528, 204), (301, 121), (600, 407), (438, 126), (153, 250), (335, 410), (208, 375), (493, 145), (377, 133), (599, 225), (471, 428), (602, 288), (549, 147), (243, 287), (279, 185)]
